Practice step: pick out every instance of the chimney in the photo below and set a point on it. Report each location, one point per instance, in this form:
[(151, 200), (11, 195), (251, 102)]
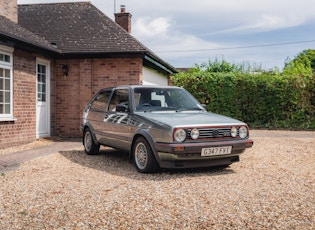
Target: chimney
[(124, 19), (9, 10)]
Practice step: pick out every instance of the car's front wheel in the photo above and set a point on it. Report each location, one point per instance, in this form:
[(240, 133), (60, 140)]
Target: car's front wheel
[(144, 159), (89, 146)]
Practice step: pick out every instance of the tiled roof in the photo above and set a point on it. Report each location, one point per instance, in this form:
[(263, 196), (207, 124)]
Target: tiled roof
[(77, 27), (15, 32)]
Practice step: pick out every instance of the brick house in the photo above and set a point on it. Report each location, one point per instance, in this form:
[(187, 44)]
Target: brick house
[(54, 57)]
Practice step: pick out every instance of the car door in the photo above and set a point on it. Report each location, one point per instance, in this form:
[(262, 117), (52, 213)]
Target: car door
[(96, 115), (116, 121)]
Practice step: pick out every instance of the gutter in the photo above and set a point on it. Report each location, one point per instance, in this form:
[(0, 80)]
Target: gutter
[(170, 70)]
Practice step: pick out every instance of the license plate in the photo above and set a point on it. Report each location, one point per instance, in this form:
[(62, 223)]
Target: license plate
[(216, 151)]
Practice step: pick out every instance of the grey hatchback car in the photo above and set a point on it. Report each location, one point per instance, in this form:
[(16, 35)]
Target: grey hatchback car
[(161, 127)]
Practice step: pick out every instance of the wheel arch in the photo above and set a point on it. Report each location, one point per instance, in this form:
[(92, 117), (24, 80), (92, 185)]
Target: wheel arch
[(89, 126), (147, 136)]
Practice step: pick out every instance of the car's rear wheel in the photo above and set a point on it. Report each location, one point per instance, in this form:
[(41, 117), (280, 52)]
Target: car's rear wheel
[(144, 159), (89, 146)]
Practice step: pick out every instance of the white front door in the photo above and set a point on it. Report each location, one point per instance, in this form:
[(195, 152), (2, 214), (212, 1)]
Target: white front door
[(43, 98)]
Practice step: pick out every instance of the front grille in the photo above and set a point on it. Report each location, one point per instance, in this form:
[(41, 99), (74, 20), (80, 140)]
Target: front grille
[(212, 133)]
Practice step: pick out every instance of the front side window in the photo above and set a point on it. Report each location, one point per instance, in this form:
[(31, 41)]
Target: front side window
[(6, 89), (121, 97)]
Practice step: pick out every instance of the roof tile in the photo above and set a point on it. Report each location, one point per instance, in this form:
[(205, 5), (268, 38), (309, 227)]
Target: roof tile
[(77, 27), (15, 31)]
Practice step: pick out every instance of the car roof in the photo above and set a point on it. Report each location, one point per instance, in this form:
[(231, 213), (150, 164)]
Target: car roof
[(139, 86)]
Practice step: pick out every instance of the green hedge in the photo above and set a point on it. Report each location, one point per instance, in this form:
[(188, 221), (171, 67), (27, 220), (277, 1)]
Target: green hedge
[(263, 100)]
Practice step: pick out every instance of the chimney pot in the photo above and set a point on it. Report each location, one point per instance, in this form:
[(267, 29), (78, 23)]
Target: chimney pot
[(122, 9)]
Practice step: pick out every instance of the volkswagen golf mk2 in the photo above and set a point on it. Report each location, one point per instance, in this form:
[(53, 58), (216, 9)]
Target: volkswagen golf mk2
[(161, 127)]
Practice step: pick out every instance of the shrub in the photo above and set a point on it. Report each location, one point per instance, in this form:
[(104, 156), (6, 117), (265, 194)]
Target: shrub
[(263, 100)]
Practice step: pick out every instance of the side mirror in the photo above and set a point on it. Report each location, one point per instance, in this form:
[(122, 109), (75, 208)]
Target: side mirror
[(122, 108)]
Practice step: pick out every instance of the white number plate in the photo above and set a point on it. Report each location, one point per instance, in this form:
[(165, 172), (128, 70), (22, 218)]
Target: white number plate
[(216, 151)]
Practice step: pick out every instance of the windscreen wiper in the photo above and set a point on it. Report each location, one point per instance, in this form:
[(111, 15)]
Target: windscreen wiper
[(188, 109)]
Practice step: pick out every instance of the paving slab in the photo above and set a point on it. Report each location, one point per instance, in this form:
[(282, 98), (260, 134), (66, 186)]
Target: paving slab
[(12, 161)]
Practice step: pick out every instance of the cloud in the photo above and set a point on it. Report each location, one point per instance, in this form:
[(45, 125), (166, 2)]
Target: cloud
[(202, 27), (263, 23), (147, 27), (165, 39), (272, 22), (230, 15)]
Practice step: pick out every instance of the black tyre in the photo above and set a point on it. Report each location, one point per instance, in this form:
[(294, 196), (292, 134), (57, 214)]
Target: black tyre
[(143, 156), (89, 146)]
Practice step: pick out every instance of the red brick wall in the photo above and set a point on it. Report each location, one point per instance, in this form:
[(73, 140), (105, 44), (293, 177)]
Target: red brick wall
[(22, 130), (8, 9), (53, 97), (67, 98), (85, 78), (69, 95)]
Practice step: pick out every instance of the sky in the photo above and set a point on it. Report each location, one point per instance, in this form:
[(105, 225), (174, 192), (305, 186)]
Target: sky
[(256, 33)]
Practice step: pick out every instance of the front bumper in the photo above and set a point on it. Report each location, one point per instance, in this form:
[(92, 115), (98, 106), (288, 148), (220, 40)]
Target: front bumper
[(186, 155)]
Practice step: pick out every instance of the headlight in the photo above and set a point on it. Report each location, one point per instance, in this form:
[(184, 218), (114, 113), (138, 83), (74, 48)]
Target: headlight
[(194, 133), (243, 132), (180, 135), (234, 132)]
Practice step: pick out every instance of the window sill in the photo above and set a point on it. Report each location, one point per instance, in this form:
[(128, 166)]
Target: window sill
[(7, 119)]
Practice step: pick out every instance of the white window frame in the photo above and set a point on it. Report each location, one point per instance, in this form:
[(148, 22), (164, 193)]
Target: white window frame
[(8, 65)]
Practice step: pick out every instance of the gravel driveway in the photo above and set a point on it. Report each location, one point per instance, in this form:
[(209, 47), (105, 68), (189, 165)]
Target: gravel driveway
[(272, 187)]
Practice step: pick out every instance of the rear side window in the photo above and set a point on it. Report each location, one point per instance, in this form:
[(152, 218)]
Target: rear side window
[(101, 101)]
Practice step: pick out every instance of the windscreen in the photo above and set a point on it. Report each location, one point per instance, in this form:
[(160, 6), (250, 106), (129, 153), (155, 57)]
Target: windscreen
[(159, 99)]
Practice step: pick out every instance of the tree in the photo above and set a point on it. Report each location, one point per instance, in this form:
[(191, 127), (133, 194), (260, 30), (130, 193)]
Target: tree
[(302, 64), (218, 66), (310, 54)]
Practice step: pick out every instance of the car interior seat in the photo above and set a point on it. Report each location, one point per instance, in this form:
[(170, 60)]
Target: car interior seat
[(155, 102)]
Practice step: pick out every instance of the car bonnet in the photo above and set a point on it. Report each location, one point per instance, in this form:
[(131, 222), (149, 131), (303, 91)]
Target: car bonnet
[(189, 119)]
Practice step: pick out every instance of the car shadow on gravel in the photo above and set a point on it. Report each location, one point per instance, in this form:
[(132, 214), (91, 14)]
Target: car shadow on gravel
[(116, 162)]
